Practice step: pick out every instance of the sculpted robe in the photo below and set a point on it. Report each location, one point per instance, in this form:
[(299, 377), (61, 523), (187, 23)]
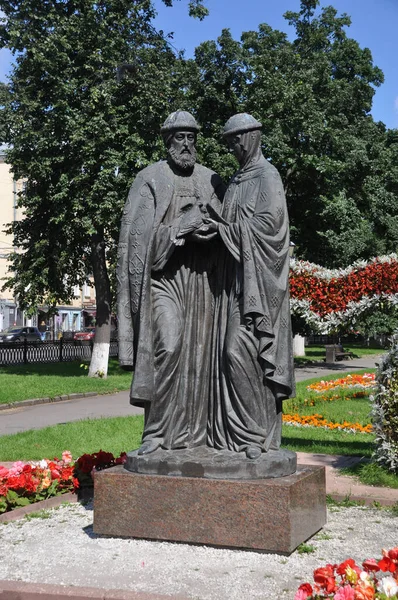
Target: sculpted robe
[(165, 303), (253, 357)]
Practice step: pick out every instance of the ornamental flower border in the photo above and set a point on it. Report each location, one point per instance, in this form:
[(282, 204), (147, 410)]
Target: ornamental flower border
[(348, 581), (28, 483), (331, 298)]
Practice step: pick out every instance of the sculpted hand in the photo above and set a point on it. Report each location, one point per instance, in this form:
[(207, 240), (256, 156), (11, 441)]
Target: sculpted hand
[(210, 226), (191, 220), (214, 215), (201, 238)]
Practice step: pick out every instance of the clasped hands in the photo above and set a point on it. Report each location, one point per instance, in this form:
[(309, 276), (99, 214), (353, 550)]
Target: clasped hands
[(200, 223)]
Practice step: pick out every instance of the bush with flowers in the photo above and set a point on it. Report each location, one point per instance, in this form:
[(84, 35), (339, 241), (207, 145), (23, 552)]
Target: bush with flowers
[(26, 483), (328, 299), (385, 410), (349, 581), (87, 464)]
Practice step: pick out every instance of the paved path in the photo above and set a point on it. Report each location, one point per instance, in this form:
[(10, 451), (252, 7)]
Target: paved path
[(22, 418), (323, 369)]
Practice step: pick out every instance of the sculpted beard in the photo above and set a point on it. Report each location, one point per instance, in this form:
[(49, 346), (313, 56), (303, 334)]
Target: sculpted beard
[(185, 160)]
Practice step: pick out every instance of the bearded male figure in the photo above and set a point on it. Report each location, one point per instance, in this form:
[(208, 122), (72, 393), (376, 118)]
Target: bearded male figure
[(165, 297), (253, 357)]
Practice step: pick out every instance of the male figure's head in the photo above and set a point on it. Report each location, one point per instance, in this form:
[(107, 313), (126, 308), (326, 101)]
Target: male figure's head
[(242, 133), (179, 133)]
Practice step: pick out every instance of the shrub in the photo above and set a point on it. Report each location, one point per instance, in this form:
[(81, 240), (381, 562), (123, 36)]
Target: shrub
[(385, 410)]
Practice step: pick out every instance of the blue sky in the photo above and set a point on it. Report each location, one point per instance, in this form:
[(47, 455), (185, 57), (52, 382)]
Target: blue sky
[(374, 25)]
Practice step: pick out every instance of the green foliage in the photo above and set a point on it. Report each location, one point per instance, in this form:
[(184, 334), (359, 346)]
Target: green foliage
[(371, 473), (385, 411), (91, 84), (305, 549), (313, 96), (382, 321), (4, 98)]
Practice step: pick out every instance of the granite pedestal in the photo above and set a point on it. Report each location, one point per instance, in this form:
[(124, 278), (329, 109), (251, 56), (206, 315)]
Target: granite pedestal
[(273, 515)]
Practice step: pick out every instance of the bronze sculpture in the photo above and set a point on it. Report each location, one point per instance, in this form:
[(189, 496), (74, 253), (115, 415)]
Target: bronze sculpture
[(203, 303), (165, 280), (253, 355)]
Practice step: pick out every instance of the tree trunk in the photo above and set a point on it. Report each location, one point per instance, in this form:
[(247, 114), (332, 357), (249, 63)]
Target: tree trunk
[(100, 355), (298, 345)]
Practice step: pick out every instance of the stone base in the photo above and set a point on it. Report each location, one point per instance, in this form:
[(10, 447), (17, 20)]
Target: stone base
[(273, 515), (214, 464)]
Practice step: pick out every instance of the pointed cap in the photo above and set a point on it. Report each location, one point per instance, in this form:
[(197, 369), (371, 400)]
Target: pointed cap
[(240, 123), (181, 119)]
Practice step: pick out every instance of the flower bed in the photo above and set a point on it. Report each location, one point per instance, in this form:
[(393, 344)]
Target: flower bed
[(318, 421), (328, 299), (348, 581), (28, 483), (360, 382)]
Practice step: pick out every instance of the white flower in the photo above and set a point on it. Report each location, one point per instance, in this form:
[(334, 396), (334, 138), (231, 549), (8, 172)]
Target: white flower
[(388, 586), (43, 464)]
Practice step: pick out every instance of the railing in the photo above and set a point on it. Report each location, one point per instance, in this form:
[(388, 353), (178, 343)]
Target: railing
[(49, 351)]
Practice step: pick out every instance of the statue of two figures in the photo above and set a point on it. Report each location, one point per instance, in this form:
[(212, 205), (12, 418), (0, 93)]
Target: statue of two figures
[(203, 309)]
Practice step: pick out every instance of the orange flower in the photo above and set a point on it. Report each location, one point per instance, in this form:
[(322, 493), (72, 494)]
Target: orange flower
[(364, 592), (45, 483)]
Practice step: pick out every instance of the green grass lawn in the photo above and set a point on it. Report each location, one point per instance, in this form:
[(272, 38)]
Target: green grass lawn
[(117, 434), (345, 408), (24, 382)]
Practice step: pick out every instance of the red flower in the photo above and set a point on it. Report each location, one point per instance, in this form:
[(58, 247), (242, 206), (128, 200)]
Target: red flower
[(102, 459), (370, 564), (393, 554), (307, 588), (324, 577), (341, 569), (3, 471), (66, 473), (122, 459), (386, 564), (85, 463), (364, 592)]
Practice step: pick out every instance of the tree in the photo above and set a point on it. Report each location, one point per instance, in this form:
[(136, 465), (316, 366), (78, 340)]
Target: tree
[(313, 96), (91, 84), (4, 98)]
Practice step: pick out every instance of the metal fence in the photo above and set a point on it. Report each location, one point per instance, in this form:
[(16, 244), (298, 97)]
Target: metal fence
[(49, 351)]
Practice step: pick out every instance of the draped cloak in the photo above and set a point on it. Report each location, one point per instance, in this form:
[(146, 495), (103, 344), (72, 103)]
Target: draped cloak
[(253, 356), (162, 285)]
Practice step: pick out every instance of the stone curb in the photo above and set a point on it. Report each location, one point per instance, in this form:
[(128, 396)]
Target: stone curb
[(370, 501), (17, 590), (35, 401), (19, 513)]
